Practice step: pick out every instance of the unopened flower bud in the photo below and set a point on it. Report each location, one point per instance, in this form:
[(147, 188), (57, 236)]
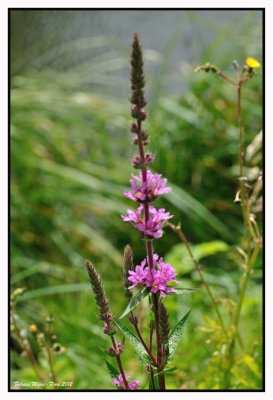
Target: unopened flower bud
[(108, 329), (50, 319), (149, 158), (23, 333), (135, 140), (135, 112), (137, 162), (143, 136), (133, 319), (120, 348), (41, 336), (133, 128), (235, 65), (207, 67), (143, 115), (41, 339), (33, 328), (111, 351), (58, 349)]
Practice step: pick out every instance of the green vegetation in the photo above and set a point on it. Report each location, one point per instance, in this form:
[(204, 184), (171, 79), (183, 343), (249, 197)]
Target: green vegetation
[(70, 152)]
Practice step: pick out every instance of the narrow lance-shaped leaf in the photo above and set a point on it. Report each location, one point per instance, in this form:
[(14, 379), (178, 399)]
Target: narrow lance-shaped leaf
[(181, 291), (166, 371), (135, 342), (175, 337), (141, 294), (112, 370)]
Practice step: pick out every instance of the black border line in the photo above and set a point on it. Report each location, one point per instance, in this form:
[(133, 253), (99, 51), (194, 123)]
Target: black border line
[(9, 233)]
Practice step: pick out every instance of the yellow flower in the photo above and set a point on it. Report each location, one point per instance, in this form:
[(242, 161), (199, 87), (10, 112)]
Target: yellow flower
[(252, 63), (33, 328)]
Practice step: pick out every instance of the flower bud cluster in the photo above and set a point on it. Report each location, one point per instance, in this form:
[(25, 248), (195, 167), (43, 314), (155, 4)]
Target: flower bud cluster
[(115, 351), (138, 101), (140, 163), (207, 68)]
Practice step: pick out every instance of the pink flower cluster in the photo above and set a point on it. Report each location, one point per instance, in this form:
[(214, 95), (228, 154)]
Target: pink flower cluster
[(119, 382), (154, 224), (149, 190), (155, 278)]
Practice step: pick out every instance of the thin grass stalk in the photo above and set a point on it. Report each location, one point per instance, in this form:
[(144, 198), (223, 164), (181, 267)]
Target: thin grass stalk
[(27, 348), (200, 272)]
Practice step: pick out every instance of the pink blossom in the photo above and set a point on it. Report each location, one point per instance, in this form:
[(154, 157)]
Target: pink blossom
[(120, 382), (154, 224), (155, 278), (149, 190)]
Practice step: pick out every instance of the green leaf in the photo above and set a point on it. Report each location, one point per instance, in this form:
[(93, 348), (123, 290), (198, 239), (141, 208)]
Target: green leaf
[(252, 365), (112, 370), (141, 294), (179, 255), (166, 371), (175, 337), (181, 291), (136, 343)]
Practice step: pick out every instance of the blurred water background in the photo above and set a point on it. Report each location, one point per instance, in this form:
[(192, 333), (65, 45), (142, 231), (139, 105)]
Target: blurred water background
[(70, 163)]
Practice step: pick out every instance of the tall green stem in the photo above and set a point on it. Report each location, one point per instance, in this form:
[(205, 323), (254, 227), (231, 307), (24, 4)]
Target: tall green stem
[(197, 266)]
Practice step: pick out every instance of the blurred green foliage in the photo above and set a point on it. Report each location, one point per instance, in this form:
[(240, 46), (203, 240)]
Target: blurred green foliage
[(70, 163)]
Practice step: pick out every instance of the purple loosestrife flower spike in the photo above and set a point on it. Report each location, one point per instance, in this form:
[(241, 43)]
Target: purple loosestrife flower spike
[(119, 382), (155, 278), (148, 191), (100, 298)]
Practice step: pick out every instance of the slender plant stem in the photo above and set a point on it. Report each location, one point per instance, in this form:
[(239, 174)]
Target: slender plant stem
[(151, 348), (27, 348), (120, 364), (149, 248), (49, 354), (143, 342), (197, 266), (245, 211), (220, 73), (241, 132), (52, 373), (255, 344), (161, 377), (244, 285)]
